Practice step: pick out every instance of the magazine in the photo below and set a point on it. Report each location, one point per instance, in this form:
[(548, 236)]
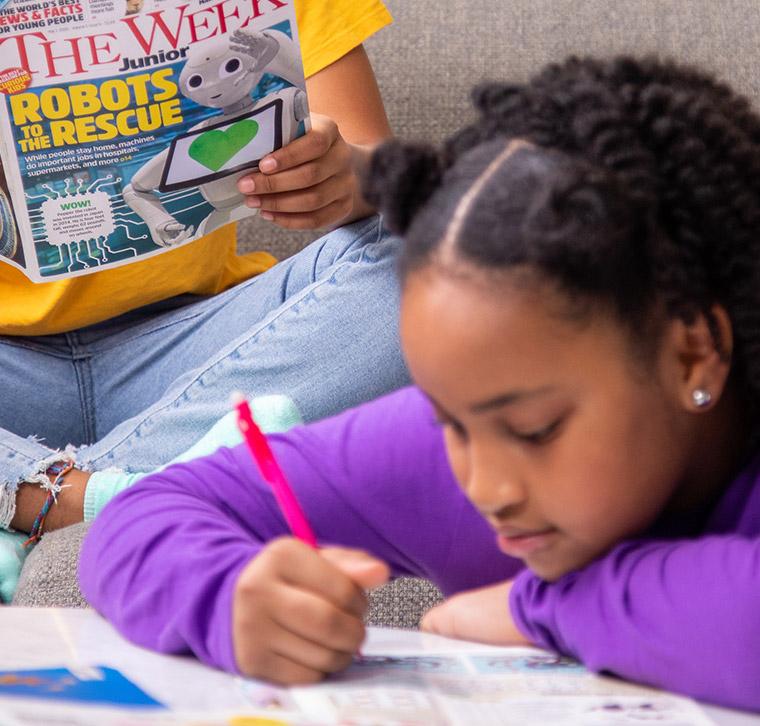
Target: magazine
[(126, 124)]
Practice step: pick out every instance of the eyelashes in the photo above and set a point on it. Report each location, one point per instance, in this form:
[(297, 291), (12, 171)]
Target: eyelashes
[(542, 436), (533, 438)]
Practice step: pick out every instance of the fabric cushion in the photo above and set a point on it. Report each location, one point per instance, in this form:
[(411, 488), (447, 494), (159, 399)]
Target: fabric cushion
[(49, 580), (49, 577)]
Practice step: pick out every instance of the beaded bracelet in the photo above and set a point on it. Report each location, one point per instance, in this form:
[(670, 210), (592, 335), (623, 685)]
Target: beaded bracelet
[(59, 471)]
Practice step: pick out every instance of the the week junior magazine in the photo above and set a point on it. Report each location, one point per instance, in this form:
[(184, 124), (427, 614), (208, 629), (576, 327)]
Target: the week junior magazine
[(126, 124)]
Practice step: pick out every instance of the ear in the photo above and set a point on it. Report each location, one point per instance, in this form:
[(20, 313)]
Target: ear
[(698, 357)]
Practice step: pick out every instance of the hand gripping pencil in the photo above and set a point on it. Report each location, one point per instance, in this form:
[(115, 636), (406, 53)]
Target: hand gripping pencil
[(273, 475)]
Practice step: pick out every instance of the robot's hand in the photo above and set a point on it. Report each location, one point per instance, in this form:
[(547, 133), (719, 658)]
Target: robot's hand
[(172, 233), (300, 106), (259, 46)]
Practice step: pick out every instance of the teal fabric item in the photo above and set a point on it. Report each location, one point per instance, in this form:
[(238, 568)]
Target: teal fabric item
[(272, 413), (12, 556)]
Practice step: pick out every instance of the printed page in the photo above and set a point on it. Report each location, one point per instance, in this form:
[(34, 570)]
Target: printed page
[(126, 124), (402, 677), (422, 679)]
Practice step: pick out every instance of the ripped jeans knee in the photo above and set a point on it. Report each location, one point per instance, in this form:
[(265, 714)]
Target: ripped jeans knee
[(18, 468)]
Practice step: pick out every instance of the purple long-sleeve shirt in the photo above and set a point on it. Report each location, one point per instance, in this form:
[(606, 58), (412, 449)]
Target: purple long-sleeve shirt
[(162, 559)]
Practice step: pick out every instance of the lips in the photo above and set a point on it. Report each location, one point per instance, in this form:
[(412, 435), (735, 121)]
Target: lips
[(521, 543)]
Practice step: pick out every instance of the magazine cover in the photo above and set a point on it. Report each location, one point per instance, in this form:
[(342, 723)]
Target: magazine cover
[(126, 124)]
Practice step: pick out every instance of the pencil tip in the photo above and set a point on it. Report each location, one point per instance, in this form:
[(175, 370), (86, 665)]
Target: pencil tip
[(236, 398)]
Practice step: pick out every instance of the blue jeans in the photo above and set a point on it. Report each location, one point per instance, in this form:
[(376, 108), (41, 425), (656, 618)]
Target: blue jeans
[(136, 391)]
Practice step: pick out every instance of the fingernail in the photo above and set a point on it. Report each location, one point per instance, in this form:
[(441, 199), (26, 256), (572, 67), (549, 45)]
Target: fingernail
[(268, 164), (267, 215), (254, 202), (247, 186)]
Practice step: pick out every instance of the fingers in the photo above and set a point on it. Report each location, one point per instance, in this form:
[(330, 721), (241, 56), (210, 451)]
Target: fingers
[(298, 612), (283, 671), (315, 144), (305, 200), (482, 615), (364, 569), (331, 215), (314, 157), (307, 636), (309, 173), (316, 194), (313, 656), (318, 206), (295, 660), (315, 574), (292, 660), (308, 184), (439, 620), (312, 618)]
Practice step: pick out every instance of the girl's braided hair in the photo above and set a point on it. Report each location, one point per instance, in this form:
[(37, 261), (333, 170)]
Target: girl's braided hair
[(642, 192)]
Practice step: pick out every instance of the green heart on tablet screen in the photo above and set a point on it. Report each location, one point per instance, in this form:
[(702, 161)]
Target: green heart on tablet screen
[(215, 148)]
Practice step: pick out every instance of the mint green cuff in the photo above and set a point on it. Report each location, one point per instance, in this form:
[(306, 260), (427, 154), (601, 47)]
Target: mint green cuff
[(102, 487), (273, 414)]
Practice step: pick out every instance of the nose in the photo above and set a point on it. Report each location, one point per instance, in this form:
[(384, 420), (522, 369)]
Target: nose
[(492, 485)]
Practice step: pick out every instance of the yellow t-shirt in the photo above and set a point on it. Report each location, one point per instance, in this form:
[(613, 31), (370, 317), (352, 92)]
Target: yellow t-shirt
[(328, 29)]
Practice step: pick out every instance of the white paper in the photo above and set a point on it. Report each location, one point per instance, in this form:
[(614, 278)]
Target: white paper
[(404, 677)]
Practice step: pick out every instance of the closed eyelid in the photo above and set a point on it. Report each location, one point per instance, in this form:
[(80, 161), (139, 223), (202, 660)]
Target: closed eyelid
[(536, 435), (527, 431)]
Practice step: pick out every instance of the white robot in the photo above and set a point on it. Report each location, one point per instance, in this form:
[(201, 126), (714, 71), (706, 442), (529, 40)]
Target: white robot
[(8, 236), (222, 73)]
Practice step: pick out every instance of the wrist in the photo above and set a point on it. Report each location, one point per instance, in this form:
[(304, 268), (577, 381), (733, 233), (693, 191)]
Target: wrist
[(67, 509), (361, 155)]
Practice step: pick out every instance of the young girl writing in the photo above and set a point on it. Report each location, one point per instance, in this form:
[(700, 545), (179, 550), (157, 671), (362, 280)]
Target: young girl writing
[(577, 460)]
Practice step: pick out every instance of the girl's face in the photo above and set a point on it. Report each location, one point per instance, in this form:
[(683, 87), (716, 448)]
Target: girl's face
[(562, 441)]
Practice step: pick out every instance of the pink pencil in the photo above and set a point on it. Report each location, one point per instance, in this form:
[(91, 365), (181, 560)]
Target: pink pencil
[(273, 475)]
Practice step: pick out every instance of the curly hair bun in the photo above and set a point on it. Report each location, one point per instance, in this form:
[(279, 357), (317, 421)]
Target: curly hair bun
[(493, 97), (401, 178)]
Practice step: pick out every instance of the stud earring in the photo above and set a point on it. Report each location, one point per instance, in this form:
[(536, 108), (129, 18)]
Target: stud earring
[(701, 397)]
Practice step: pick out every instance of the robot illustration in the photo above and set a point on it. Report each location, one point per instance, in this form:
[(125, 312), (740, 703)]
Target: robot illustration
[(8, 235), (222, 73)]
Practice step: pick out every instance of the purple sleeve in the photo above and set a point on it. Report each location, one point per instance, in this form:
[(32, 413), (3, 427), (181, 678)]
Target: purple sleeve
[(681, 615), (161, 561)]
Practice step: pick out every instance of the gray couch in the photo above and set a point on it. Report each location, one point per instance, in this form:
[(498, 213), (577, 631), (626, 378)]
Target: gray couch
[(426, 64)]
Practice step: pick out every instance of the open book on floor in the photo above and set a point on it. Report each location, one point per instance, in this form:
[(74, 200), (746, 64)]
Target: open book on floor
[(69, 667)]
